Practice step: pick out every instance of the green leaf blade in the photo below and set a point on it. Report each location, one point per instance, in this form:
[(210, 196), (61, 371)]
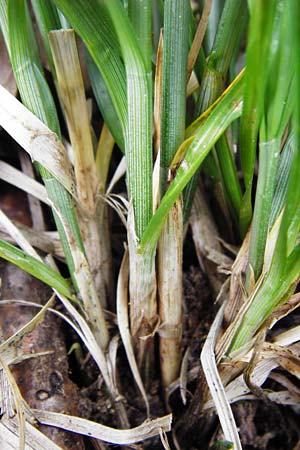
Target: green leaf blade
[(35, 267)]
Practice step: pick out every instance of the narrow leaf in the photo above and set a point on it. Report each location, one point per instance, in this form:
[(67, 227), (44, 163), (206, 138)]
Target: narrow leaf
[(35, 268)]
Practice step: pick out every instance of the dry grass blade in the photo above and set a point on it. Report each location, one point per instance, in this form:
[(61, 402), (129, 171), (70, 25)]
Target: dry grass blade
[(35, 440), (192, 85), (9, 440), (7, 405), (225, 340), (290, 362), (48, 241), (238, 387), (237, 292), (36, 138), (17, 235), (123, 323), (83, 329), (18, 401), (112, 360), (164, 440), (107, 434), (283, 310), (270, 357), (286, 382), (183, 378), (288, 337), (284, 397), (198, 39), (84, 332), (88, 339), (34, 204), (10, 350), (18, 179), (119, 173), (119, 204), (215, 385)]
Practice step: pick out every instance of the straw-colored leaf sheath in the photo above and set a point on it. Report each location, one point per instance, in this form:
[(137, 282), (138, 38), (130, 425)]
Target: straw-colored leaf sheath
[(123, 323), (71, 91), (170, 294), (92, 210), (143, 309)]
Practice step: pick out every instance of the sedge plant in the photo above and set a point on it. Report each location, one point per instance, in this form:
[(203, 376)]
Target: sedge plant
[(144, 58)]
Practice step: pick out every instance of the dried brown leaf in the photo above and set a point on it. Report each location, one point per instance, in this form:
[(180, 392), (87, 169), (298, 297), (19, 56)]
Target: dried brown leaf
[(107, 434)]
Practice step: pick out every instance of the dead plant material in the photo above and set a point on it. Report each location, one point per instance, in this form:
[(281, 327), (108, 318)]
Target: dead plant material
[(43, 381)]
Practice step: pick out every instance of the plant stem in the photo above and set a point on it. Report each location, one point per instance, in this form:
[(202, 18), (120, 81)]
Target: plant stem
[(143, 307), (174, 76), (170, 249)]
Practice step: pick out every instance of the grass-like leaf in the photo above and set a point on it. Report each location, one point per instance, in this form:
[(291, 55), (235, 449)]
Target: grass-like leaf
[(47, 19), (224, 47), (277, 109), (227, 110), (36, 95), (105, 103), (101, 42), (175, 52), (36, 268), (259, 38), (172, 128), (138, 137)]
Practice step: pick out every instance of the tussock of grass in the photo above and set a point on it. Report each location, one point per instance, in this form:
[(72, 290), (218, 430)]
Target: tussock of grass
[(233, 119)]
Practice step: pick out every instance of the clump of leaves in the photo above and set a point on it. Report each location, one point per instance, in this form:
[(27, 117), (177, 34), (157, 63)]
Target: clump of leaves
[(143, 59)]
